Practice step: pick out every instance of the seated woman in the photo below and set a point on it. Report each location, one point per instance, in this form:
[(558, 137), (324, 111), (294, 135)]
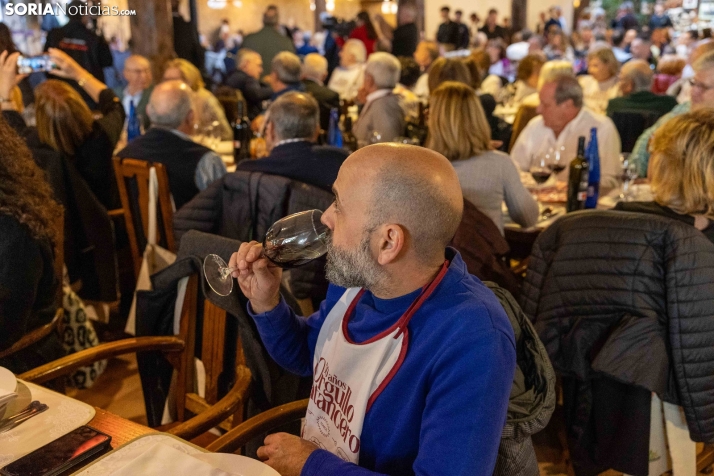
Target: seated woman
[(28, 284), (66, 125), (208, 107), (458, 130), (601, 83), (680, 172), (527, 77)]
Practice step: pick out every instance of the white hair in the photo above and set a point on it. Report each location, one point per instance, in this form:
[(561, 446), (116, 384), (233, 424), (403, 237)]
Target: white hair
[(314, 67), (385, 69), (552, 69), (356, 48)]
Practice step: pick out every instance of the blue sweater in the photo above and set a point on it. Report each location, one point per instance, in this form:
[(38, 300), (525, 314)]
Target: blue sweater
[(444, 410)]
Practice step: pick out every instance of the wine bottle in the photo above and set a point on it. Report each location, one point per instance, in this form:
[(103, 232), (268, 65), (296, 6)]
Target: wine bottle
[(592, 155), (241, 134), (578, 179), (349, 141), (133, 126), (334, 134)]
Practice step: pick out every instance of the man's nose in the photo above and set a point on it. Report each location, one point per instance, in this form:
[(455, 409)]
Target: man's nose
[(328, 217)]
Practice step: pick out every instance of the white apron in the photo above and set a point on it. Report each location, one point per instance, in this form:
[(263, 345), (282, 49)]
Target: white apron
[(348, 377)]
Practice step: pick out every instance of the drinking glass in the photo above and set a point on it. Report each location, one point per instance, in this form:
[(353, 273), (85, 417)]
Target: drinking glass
[(198, 136), (290, 242), (214, 137), (541, 168), (558, 162), (629, 173), (375, 138)]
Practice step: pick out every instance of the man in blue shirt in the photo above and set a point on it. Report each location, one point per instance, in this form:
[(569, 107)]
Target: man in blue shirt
[(412, 358)]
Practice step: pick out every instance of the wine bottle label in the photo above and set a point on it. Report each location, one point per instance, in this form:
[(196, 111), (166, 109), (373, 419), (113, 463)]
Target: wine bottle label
[(582, 196), (236, 144)]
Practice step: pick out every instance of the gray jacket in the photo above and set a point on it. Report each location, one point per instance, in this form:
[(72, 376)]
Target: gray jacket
[(532, 399), (383, 115)]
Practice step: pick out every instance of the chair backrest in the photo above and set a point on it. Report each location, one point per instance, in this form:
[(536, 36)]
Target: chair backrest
[(229, 98), (631, 124), (484, 249), (133, 180), (523, 116), (206, 339)]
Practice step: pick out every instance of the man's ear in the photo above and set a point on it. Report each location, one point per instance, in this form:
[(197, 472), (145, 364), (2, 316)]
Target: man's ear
[(190, 119), (391, 241)]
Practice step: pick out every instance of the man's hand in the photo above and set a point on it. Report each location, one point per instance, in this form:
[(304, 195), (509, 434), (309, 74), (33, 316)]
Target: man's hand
[(285, 453), (258, 278)]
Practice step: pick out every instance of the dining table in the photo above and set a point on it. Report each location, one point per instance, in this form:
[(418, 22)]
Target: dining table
[(551, 198)]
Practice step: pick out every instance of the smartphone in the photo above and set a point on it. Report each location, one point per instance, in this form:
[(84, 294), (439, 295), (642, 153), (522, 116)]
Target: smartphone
[(33, 64), (60, 455)]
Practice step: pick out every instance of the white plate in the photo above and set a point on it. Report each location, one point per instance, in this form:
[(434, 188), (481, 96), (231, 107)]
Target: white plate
[(8, 386), (8, 382)]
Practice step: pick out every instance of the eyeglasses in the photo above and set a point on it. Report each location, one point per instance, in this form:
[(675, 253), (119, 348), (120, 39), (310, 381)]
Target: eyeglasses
[(698, 84)]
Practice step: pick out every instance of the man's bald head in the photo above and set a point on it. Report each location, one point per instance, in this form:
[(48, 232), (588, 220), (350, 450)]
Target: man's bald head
[(635, 76), (413, 187), (170, 104), (136, 61)]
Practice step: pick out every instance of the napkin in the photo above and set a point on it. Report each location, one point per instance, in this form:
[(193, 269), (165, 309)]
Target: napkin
[(161, 459)]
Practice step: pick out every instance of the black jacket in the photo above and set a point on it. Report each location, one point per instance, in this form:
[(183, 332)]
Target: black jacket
[(87, 48), (186, 42), (303, 161), (28, 287), (243, 205), (326, 98), (180, 157), (655, 208), (88, 234), (628, 296), (405, 39), (253, 91), (448, 33)]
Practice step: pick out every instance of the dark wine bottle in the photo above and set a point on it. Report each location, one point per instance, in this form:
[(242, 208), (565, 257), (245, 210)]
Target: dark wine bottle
[(578, 179), (349, 141), (241, 134)]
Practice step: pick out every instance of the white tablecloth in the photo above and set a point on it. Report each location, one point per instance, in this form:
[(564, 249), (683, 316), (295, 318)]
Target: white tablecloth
[(64, 415)]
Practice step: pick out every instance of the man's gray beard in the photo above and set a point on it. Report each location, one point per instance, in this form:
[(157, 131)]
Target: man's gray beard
[(352, 269)]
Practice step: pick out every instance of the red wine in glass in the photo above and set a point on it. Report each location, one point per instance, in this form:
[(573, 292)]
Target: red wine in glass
[(557, 168), (291, 241), (540, 176)]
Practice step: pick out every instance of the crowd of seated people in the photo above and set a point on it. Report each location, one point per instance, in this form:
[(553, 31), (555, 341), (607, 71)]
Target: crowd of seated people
[(460, 95)]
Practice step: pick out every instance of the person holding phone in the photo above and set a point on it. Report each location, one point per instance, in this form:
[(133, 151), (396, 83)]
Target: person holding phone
[(66, 125)]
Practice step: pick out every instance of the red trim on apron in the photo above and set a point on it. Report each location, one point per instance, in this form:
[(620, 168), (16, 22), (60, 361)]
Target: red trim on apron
[(401, 324)]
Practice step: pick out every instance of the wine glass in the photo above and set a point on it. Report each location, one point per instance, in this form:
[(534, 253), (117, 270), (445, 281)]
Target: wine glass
[(292, 241), (629, 173), (214, 135), (557, 163), (375, 138), (541, 168)]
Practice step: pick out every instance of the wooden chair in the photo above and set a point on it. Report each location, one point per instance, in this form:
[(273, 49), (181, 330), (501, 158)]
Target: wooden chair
[(133, 180), (259, 424), (180, 352), (523, 116), (34, 336)]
